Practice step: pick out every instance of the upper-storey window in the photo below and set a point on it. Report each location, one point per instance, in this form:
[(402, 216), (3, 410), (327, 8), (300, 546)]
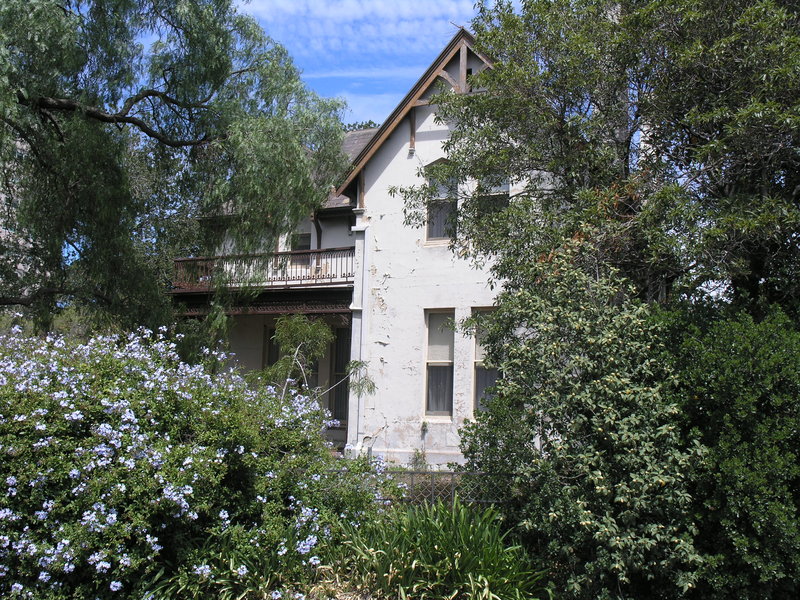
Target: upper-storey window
[(441, 216), (492, 197), (300, 241)]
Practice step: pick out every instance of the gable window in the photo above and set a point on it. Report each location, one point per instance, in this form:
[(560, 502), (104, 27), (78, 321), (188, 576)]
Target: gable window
[(439, 367), (441, 219)]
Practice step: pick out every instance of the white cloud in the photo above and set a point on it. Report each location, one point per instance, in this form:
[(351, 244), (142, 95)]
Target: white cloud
[(350, 10), (309, 27), (408, 72), (370, 52)]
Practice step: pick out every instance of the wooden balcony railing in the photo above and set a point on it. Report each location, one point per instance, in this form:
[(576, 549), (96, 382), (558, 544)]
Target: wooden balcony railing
[(299, 268)]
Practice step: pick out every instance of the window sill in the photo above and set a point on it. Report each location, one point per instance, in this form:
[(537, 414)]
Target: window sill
[(438, 417)]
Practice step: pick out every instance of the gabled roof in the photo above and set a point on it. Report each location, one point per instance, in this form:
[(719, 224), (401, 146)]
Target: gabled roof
[(354, 141), (462, 38)]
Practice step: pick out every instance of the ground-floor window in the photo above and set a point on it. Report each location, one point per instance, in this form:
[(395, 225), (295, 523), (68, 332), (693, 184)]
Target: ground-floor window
[(485, 376), (439, 364)]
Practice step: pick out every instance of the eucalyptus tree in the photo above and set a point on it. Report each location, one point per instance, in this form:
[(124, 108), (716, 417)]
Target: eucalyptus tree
[(133, 131)]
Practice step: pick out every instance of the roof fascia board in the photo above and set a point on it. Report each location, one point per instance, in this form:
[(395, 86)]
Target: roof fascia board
[(463, 37)]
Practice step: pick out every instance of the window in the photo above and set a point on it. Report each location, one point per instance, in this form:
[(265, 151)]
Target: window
[(301, 242), (272, 351), (441, 217), (485, 377), (439, 376), (491, 199)]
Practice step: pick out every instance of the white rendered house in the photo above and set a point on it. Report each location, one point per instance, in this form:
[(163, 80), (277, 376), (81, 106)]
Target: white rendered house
[(388, 290)]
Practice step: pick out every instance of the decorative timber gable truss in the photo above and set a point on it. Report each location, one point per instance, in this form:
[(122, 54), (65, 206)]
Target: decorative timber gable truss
[(461, 46)]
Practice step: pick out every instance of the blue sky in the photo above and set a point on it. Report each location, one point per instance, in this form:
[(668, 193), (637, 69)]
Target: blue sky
[(368, 52)]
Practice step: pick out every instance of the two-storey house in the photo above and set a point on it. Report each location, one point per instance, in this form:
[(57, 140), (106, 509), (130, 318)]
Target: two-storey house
[(389, 291)]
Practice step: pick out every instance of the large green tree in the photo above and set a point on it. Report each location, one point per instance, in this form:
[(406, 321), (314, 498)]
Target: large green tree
[(661, 138), (127, 127), (582, 438), (672, 127)]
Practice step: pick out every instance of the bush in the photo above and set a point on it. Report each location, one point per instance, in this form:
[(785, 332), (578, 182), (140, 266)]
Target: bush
[(126, 469), (584, 438), (438, 551), (740, 396)]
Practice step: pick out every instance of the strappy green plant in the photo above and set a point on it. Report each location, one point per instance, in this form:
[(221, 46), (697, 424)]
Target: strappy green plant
[(441, 551)]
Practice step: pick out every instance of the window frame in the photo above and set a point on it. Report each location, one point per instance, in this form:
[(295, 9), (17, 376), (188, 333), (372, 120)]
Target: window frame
[(446, 207), (478, 363), (492, 199), (445, 203), (339, 396), (449, 314)]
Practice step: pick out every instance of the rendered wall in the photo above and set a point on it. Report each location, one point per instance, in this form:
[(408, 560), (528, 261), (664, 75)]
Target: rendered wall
[(406, 276)]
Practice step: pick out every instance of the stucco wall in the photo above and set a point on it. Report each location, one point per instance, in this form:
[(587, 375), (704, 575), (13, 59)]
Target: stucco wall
[(406, 277), (335, 233)]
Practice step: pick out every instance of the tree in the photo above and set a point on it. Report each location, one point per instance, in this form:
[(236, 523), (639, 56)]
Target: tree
[(660, 137), (134, 131), (669, 126), (583, 435), (739, 395)]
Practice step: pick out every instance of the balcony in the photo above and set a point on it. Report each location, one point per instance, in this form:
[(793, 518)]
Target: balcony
[(300, 268)]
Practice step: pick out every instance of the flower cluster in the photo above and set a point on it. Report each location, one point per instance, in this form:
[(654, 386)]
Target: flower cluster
[(113, 449)]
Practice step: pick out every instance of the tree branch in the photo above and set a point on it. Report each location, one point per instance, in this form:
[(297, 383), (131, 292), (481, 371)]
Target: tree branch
[(136, 98), (33, 296), (47, 291), (66, 105)]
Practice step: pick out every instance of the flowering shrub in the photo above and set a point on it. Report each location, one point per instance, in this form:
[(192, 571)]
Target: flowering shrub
[(126, 470)]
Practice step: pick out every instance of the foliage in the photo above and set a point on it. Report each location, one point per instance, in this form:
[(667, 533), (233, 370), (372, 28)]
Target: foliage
[(126, 469), (358, 125), (302, 342), (660, 137), (671, 126), (440, 551), (740, 395), (419, 461), (583, 435), (134, 131)]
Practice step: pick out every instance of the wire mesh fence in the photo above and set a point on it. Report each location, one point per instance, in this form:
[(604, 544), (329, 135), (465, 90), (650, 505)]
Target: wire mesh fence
[(429, 486)]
